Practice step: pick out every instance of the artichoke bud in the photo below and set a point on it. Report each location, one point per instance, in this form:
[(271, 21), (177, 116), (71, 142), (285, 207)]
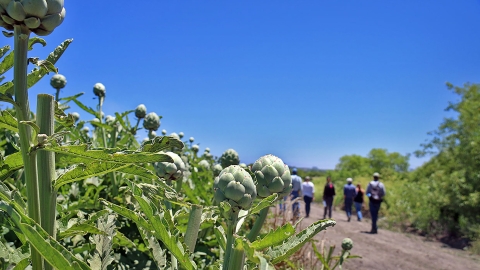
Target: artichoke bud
[(204, 165), (207, 150), (99, 90), (175, 135), (195, 148), (85, 129), (96, 120), (235, 186), (109, 120), (58, 81), (272, 176), (151, 121), (40, 16), (171, 171), (217, 168), (229, 157), (164, 132), (141, 111), (191, 139), (347, 244), (76, 116), (180, 134)]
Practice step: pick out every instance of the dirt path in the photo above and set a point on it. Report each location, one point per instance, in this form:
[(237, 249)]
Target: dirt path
[(387, 249)]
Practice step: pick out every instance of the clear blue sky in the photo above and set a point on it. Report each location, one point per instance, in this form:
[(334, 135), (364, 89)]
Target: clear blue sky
[(309, 81)]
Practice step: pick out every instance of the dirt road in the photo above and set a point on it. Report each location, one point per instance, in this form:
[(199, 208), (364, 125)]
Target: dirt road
[(387, 249)]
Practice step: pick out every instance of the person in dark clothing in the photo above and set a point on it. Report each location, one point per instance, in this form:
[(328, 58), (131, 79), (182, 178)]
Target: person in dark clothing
[(375, 192), (349, 194), (358, 200), (328, 194)]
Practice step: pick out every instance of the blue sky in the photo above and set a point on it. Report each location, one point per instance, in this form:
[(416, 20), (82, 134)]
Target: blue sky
[(308, 81)]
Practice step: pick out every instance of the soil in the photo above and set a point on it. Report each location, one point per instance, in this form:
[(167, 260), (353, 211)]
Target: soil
[(388, 249)]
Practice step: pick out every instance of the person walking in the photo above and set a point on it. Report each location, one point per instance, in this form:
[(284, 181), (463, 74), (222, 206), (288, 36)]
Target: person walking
[(358, 201), (308, 190), (375, 192), (328, 195), (296, 191), (349, 194)]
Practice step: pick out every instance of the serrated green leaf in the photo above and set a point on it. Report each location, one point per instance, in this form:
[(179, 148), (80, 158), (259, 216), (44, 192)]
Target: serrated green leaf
[(81, 153), (161, 143), (266, 202), (163, 234), (33, 125), (35, 76), (121, 240), (12, 255), (52, 251), (85, 108), (84, 171), (7, 62), (101, 125), (295, 242), (8, 99), (36, 40), (4, 50), (70, 98), (9, 122), (220, 234), (22, 264), (10, 164), (62, 118), (79, 229), (275, 237)]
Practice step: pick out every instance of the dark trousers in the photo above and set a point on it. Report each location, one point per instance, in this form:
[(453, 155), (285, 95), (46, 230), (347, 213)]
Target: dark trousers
[(374, 208), (308, 201), (296, 205), (348, 206), (328, 207)]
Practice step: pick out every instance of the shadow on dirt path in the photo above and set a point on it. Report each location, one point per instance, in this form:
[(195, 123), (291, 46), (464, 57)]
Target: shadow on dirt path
[(387, 249)]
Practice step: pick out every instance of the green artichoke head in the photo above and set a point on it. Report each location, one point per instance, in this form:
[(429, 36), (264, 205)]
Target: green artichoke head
[(151, 121), (109, 120), (140, 111), (39, 16), (217, 168), (195, 148), (207, 150), (171, 171), (164, 132), (273, 176), (85, 129), (58, 81), (96, 120), (347, 244), (204, 165), (76, 116), (175, 135), (235, 186), (191, 139), (180, 134), (229, 157), (99, 90)]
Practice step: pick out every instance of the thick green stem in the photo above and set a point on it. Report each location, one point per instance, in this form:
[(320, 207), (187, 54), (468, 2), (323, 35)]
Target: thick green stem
[(193, 227), (21, 35), (46, 165), (231, 225), (257, 226), (168, 206), (57, 94), (237, 260)]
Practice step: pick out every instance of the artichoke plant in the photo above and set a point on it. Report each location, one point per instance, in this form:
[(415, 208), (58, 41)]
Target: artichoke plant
[(203, 165), (229, 157), (217, 168), (58, 81), (151, 122), (39, 16), (140, 111), (273, 176), (347, 244), (99, 90), (171, 171), (235, 186)]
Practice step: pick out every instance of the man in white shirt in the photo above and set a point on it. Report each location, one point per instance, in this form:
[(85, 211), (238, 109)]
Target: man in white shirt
[(308, 190)]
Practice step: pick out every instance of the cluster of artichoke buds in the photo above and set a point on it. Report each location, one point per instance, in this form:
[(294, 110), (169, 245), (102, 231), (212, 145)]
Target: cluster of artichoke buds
[(39, 16), (273, 176), (229, 157), (235, 186), (171, 171)]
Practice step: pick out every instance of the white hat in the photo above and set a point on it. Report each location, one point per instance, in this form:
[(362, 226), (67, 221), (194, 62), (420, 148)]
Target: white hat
[(376, 174), (349, 180)]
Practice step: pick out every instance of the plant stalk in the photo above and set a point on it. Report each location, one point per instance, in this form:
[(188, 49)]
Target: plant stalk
[(257, 226), (46, 165), (231, 225), (21, 35), (193, 227)]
